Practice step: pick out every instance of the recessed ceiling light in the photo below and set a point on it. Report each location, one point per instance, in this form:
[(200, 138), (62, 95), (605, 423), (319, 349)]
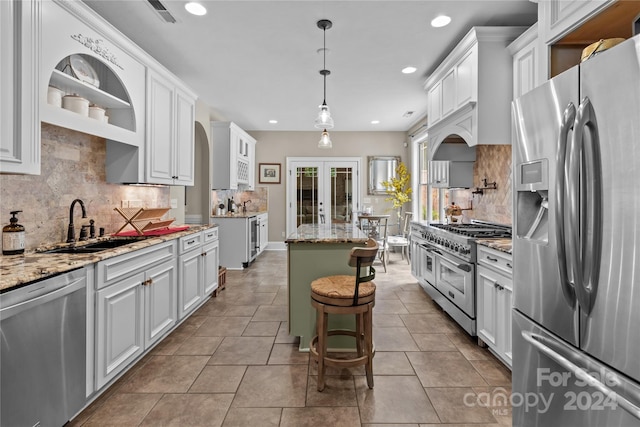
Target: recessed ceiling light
[(375, 122), (273, 122), (440, 21), (409, 70), (195, 8)]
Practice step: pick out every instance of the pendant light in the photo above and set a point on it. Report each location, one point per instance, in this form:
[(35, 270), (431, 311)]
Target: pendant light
[(324, 120), (325, 141)]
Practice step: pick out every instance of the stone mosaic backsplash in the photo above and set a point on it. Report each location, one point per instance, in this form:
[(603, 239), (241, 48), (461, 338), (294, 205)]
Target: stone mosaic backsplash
[(493, 162), (259, 199), (72, 166)]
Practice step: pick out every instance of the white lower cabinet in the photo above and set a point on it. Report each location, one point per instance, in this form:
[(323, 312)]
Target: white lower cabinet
[(198, 269), (135, 306), (495, 301), (263, 222), (141, 296), (210, 261)]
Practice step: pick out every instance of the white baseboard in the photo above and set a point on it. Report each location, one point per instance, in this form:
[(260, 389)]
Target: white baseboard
[(276, 246)]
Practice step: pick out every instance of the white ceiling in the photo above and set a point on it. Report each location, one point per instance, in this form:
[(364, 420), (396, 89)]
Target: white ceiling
[(253, 61)]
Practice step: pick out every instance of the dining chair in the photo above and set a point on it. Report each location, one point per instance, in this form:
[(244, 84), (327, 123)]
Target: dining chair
[(402, 241), (376, 227)]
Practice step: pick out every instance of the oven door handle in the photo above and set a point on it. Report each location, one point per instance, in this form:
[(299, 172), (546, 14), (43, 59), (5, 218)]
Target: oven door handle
[(465, 267)]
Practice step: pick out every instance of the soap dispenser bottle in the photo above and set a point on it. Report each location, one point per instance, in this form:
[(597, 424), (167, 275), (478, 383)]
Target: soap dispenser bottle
[(13, 236)]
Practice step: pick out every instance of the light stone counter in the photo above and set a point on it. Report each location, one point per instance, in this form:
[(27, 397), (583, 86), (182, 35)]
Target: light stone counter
[(327, 233), (503, 245), (31, 266), (240, 215)]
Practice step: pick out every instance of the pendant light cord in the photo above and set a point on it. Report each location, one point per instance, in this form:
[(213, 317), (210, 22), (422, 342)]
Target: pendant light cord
[(324, 63)]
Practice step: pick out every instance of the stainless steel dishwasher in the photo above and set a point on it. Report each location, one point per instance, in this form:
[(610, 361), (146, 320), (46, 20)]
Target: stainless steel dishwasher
[(42, 351)]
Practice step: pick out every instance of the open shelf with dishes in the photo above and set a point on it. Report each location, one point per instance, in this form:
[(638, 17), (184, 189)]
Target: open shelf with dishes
[(70, 84), (92, 83)]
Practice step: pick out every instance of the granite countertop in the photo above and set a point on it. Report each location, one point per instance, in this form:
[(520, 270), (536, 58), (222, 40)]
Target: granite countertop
[(503, 245), (240, 215), (327, 233), (34, 265)]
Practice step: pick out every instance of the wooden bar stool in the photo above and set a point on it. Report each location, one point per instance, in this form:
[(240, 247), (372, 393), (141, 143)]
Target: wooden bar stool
[(344, 294)]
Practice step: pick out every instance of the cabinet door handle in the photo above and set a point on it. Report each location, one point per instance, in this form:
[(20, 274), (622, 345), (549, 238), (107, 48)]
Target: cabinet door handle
[(190, 242), (147, 282), (492, 259), (509, 265), (203, 254)]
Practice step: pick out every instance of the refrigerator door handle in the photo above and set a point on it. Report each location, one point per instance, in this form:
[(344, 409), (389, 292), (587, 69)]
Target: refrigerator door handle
[(568, 118), (543, 344), (572, 188), (590, 204)]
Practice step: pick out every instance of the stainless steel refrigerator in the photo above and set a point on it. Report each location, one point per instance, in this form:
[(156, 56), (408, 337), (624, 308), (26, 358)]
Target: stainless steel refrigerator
[(576, 246)]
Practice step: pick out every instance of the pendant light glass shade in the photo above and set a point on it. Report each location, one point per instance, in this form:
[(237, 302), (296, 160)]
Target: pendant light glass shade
[(324, 120), (325, 141)]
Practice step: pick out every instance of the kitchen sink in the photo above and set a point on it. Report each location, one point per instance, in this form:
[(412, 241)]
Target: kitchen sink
[(94, 247), (74, 250)]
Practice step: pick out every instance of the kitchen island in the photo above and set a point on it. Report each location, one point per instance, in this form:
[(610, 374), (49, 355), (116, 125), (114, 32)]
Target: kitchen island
[(317, 250)]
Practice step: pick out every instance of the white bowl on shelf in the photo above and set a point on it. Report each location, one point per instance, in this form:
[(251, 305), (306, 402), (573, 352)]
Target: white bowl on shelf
[(54, 96), (96, 112), (77, 104)]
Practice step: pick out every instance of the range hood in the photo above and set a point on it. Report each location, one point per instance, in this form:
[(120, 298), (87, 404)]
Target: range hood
[(470, 93)]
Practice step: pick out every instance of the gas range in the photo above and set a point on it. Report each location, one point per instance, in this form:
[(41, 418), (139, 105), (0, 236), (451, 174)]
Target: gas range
[(443, 260), (459, 239)]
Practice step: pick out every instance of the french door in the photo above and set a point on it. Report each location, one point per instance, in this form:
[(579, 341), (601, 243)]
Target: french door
[(322, 190)]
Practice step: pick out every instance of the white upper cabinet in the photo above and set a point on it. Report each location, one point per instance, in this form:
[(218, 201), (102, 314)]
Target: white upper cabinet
[(524, 49), (19, 92), (151, 113), (83, 55), (170, 131), (448, 174), (233, 157), (560, 17), (470, 93)]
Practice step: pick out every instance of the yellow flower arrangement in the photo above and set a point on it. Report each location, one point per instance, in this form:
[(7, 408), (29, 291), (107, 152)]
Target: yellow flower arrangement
[(399, 188)]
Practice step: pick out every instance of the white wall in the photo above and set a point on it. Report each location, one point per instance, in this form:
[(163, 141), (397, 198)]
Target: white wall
[(275, 147)]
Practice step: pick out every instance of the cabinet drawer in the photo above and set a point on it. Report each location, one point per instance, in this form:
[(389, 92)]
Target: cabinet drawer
[(119, 267), (210, 235), (190, 242), (500, 261)]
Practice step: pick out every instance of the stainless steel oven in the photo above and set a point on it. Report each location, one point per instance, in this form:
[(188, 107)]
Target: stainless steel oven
[(455, 278), (444, 265), (423, 260)]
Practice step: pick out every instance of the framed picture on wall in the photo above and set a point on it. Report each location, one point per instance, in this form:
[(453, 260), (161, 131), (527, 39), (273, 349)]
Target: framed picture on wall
[(269, 173)]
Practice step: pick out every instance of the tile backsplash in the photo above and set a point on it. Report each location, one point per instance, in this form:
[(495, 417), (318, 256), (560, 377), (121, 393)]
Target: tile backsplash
[(493, 162), (257, 200), (72, 167)]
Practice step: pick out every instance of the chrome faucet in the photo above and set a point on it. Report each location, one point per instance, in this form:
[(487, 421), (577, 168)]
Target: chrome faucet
[(71, 233)]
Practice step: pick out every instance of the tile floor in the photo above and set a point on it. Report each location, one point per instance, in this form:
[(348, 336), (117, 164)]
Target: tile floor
[(232, 363)]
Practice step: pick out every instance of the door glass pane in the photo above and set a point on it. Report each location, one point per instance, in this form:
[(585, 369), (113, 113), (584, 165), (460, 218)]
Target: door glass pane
[(307, 195), (341, 193)]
